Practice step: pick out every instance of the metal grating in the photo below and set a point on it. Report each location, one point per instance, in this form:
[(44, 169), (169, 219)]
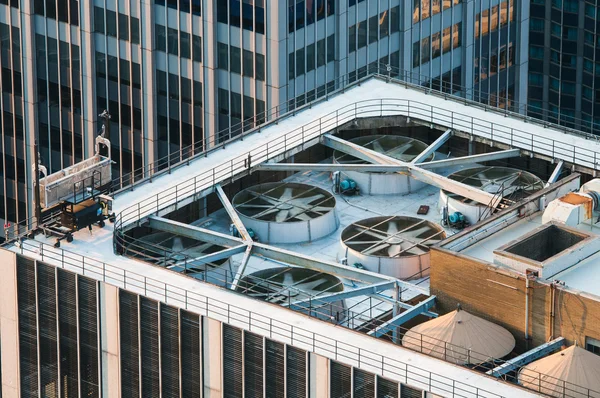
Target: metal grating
[(27, 327), (46, 285), (386, 388), (253, 365), (128, 328), (296, 372), (232, 362), (88, 337), (409, 392), (364, 384), (275, 368), (149, 348), (340, 381), (169, 347), (67, 326), (191, 370)]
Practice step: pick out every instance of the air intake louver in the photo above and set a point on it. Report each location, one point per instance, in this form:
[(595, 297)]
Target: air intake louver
[(386, 388), (27, 327), (341, 380), (47, 324), (364, 384), (190, 355), (67, 323), (169, 345), (88, 337), (150, 363), (128, 326), (253, 365), (296, 372), (232, 362), (275, 367)]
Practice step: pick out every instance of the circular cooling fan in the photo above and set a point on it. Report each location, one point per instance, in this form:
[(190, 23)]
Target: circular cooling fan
[(284, 202), (168, 250), (279, 285), (514, 183), (392, 237), (395, 146)]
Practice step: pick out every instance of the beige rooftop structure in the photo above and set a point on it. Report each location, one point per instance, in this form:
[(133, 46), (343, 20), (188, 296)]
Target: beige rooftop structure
[(460, 337), (576, 368)]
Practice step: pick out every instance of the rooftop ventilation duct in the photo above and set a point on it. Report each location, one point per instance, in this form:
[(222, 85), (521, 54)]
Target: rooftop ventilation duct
[(379, 183), (575, 208)]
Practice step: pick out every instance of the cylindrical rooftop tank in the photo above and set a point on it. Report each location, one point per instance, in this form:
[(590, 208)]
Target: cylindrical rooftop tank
[(396, 246), (381, 183), (515, 185), (285, 212)]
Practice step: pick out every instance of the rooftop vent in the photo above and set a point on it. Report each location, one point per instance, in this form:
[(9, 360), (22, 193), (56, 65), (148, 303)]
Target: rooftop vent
[(550, 248)]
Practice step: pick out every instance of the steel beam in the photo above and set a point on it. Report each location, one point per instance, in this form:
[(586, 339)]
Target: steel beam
[(483, 157), (417, 172), (242, 268), (556, 173), (528, 357), (328, 267), (401, 304), (331, 167), (193, 232), (407, 315), (216, 256), (433, 147), (329, 298), (233, 214)]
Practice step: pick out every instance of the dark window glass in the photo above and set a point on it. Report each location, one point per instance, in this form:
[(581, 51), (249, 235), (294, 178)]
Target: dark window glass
[(373, 25), (186, 90), (135, 30), (248, 64), (123, 27), (300, 62), (352, 39), (184, 42), (291, 66), (259, 19), (223, 56), (111, 23), (236, 61), (310, 57), (260, 66), (384, 29), (74, 12), (247, 16), (321, 53), (98, 19), (331, 48), (196, 7), (136, 75), (362, 34), (197, 48), (63, 10), (222, 11), (395, 19), (160, 38), (234, 13)]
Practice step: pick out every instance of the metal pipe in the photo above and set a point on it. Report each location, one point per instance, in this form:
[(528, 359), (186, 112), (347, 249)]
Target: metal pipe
[(527, 311), (552, 297)]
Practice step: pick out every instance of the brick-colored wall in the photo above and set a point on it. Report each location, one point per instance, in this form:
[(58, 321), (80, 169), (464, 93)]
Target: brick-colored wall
[(499, 296)]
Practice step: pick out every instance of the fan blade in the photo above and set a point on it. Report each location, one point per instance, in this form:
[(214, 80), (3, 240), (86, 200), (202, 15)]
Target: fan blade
[(266, 212), (374, 234), (287, 194), (302, 216), (376, 249), (264, 197), (399, 152), (307, 200), (307, 286), (416, 251), (377, 147), (282, 215), (416, 233), (320, 208), (204, 247), (394, 250), (392, 228)]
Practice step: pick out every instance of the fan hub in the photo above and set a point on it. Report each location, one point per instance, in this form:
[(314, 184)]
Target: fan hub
[(394, 240), (284, 206)]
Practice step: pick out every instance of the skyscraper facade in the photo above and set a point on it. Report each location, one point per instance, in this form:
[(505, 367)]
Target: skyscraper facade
[(181, 76)]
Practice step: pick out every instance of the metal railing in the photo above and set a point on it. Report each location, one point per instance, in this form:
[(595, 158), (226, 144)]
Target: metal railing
[(200, 304)]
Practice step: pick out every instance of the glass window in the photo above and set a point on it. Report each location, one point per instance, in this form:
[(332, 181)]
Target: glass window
[(425, 50), (446, 39), (588, 65), (373, 25), (536, 52), (536, 25), (173, 41), (395, 19), (184, 42), (310, 57), (197, 48), (570, 33), (568, 88), (136, 76), (321, 53), (160, 38), (248, 63), (123, 27), (416, 11), (554, 84), (503, 14), (425, 11), (384, 28), (588, 37), (494, 19), (556, 29), (590, 11), (485, 22), (223, 56), (588, 93), (435, 45), (555, 56), (571, 6), (435, 7), (300, 62), (362, 34), (235, 59), (125, 72), (456, 35), (331, 48), (259, 19), (236, 106), (536, 79), (135, 30), (186, 90), (173, 88), (416, 54), (111, 23), (352, 39), (260, 66), (98, 19), (196, 7), (291, 66)]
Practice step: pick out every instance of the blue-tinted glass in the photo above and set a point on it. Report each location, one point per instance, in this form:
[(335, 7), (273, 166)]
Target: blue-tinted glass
[(234, 13), (184, 5), (196, 7), (259, 20), (222, 11), (248, 16)]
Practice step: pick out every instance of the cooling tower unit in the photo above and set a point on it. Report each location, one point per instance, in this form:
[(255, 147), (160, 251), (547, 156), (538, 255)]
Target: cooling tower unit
[(175, 252), (289, 285), (394, 246), (380, 183), (286, 212), (511, 184)]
